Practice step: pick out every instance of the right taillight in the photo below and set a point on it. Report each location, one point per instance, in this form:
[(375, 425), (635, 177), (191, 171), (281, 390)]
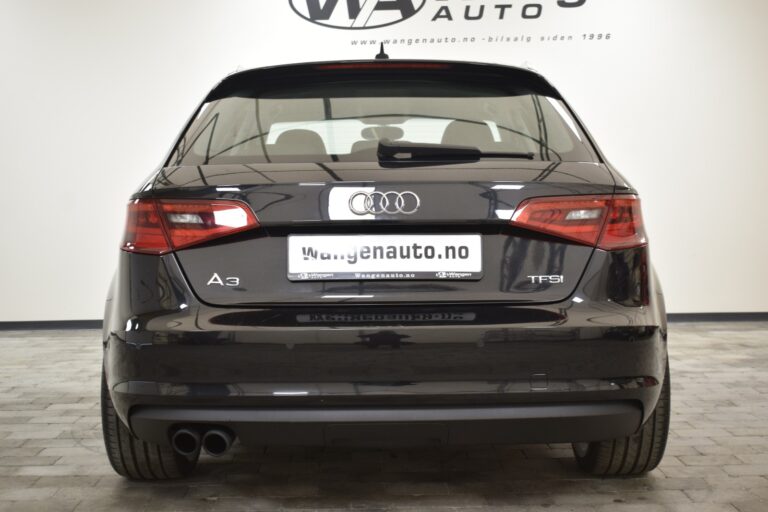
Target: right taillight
[(158, 226), (608, 222)]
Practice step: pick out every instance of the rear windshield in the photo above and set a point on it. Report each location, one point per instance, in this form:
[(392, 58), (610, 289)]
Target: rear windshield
[(345, 121)]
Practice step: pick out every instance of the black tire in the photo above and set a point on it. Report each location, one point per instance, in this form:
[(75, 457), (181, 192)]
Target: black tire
[(133, 458), (633, 455)]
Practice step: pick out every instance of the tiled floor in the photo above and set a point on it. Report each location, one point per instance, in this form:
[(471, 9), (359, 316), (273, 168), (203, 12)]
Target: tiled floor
[(51, 454)]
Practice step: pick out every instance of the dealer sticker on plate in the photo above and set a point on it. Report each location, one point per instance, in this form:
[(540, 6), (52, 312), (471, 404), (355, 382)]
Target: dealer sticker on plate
[(384, 257)]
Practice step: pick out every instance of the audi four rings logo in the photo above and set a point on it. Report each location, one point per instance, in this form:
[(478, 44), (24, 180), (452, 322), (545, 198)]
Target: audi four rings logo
[(378, 203)]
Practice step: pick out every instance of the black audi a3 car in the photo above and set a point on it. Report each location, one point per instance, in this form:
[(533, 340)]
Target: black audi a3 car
[(384, 253)]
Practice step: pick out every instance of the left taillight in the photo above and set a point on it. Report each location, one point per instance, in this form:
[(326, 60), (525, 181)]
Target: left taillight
[(158, 226)]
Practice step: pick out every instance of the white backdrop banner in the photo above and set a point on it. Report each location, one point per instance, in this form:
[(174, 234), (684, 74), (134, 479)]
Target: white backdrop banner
[(484, 26), (95, 92)]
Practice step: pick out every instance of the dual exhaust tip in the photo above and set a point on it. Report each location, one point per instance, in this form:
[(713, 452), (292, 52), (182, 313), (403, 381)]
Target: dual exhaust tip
[(188, 441)]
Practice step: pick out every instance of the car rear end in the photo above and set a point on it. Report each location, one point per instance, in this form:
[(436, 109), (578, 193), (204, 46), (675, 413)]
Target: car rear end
[(378, 253)]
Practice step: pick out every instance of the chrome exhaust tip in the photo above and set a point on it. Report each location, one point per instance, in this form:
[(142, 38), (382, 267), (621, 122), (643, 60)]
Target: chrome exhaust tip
[(186, 442), (217, 442)]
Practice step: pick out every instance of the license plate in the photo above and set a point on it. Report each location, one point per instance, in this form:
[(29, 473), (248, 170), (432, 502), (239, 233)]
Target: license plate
[(384, 257)]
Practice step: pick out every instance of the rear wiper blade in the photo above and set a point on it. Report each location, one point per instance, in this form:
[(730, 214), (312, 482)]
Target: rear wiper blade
[(408, 151)]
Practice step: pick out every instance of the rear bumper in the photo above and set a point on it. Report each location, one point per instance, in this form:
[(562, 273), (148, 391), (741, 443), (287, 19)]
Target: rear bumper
[(385, 413), (399, 426), (582, 369)]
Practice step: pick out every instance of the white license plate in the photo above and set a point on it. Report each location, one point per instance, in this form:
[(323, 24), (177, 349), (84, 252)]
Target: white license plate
[(384, 257)]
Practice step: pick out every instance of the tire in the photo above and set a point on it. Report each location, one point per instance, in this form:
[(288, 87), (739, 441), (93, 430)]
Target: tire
[(633, 455), (133, 458)]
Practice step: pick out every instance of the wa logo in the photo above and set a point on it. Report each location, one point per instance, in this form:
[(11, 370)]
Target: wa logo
[(356, 14)]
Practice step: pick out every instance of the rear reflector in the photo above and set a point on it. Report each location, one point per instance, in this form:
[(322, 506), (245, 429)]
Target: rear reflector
[(608, 222), (158, 226)]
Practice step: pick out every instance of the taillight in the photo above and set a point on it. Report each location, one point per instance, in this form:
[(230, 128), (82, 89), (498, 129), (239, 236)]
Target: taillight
[(624, 227), (608, 222), (158, 226), (144, 229)]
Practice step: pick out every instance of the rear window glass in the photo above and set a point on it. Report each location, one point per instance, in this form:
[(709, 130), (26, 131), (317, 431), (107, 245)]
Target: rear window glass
[(345, 121)]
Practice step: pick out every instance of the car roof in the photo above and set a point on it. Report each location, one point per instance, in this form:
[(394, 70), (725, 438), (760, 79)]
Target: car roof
[(508, 77)]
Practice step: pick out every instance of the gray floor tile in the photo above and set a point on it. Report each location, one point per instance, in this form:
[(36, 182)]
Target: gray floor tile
[(51, 451)]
